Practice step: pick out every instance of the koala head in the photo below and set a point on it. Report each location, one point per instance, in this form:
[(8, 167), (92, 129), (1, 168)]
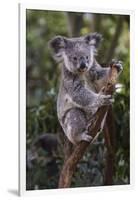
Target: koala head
[(76, 53)]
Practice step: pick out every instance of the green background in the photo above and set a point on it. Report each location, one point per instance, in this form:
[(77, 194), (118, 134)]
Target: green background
[(42, 78)]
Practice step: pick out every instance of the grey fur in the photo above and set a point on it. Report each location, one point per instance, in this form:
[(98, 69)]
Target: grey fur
[(81, 83)]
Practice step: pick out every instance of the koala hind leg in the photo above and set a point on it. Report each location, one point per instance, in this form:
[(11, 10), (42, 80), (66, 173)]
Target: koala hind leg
[(75, 124)]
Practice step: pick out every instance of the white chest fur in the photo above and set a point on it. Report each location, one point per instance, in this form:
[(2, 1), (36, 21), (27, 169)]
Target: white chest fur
[(87, 82)]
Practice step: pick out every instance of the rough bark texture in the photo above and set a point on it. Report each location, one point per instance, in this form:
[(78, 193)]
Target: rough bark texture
[(68, 148), (78, 152)]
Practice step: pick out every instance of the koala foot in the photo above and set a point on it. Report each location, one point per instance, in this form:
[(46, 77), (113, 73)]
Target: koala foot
[(86, 137), (117, 64)]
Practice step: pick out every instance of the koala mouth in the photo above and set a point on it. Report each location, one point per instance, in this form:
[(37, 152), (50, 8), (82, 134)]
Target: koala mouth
[(82, 70)]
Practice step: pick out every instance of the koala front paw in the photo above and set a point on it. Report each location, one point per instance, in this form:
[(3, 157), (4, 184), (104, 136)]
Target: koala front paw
[(117, 64), (104, 100)]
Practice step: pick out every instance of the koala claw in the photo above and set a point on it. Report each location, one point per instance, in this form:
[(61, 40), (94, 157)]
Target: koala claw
[(117, 64), (105, 100)]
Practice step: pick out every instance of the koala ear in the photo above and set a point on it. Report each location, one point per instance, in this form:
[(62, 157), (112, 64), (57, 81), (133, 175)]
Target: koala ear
[(57, 43), (93, 39)]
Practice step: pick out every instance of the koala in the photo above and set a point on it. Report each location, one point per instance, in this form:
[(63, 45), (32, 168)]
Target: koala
[(82, 80)]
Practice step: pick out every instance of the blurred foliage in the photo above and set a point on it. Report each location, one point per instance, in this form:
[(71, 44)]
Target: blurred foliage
[(42, 78)]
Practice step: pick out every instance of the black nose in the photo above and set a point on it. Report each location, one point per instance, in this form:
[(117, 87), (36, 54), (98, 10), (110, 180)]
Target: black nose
[(82, 65)]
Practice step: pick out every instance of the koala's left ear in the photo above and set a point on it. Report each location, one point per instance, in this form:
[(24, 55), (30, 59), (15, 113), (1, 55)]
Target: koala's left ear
[(93, 39), (57, 43)]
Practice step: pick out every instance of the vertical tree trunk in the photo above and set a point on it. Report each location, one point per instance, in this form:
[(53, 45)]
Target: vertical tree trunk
[(97, 22), (75, 23), (114, 41)]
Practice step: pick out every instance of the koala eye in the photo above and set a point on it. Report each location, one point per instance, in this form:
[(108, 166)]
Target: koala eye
[(75, 58), (87, 57)]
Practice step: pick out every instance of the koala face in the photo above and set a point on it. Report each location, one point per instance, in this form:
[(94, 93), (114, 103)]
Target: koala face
[(76, 53), (78, 56)]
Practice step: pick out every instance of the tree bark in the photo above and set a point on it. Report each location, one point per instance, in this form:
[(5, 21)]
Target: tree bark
[(68, 148)]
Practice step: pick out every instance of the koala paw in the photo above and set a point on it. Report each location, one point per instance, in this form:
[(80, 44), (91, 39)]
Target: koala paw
[(117, 64), (86, 137), (104, 100)]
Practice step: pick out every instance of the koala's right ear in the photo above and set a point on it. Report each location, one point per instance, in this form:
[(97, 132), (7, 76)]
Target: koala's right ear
[(93, 39), (57, 43)]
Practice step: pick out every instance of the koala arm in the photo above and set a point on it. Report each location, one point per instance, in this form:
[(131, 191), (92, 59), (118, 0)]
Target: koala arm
[(84, 97), (100, 75), (81, 95)]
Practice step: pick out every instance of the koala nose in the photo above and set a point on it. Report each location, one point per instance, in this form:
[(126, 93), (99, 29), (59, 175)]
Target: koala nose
[(82, 65)]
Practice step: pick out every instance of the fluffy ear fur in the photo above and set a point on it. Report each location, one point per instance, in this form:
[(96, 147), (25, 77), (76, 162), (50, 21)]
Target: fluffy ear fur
[(93, 39), (57, 43)]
